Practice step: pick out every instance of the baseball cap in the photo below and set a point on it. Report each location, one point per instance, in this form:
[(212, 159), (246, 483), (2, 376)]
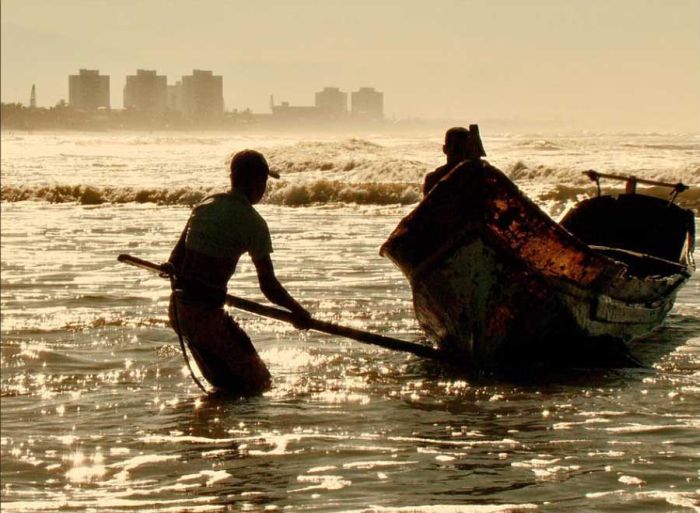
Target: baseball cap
[(246, 161)]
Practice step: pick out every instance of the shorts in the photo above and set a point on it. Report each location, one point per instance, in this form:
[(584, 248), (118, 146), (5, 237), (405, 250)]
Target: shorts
[(223, 351)]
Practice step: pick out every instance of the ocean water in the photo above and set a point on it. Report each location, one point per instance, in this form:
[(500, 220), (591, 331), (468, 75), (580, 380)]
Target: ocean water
[(98, 412)]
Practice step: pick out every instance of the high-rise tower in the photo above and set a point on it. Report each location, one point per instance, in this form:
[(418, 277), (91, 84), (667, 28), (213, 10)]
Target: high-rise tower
[(32, 98), (367, 104), (332, 103), (146, 92), (89, 90)]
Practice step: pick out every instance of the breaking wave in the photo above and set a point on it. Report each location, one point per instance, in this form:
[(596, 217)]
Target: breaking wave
[(148, 140), (521, 171), (346, 171), (338, 192), (356, 169), (564, 193), (682, 147), (304, 194), (356, 160), (90, 195), (540, 144), (284, 193)]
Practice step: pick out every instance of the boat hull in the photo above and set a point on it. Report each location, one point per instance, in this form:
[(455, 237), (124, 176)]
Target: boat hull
[(495, 279)]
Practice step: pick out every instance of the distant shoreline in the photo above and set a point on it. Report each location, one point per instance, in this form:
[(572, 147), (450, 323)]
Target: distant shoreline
[(63, 118)]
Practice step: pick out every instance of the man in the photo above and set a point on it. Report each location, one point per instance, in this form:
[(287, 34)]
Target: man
[(460, 144), (220, 229)]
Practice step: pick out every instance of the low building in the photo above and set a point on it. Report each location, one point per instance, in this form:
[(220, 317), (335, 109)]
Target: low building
[(88, 90), (367, 104), (146, 92), (293, 113)]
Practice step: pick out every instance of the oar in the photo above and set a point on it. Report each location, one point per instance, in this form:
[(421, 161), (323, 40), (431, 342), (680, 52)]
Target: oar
[(325, 327)]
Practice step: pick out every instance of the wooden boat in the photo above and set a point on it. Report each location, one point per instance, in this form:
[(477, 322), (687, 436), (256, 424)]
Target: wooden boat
[(496, 279)]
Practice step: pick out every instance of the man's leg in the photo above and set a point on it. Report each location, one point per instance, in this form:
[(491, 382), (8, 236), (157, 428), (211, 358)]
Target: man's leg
[(222, 350)]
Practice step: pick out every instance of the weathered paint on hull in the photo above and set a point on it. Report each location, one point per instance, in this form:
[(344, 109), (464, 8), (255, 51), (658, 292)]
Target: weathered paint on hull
[(485, 307)]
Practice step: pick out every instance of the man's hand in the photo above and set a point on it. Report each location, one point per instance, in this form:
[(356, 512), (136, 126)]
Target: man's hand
[(302, 318), (167, 270)]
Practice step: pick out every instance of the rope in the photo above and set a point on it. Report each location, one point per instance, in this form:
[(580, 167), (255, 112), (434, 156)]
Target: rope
[(179, 336)]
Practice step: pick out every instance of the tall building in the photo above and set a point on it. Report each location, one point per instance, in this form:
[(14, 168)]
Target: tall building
[(146, 91), (32, 97), (332, 103), (89, 90), (367, 103), (200, 94)]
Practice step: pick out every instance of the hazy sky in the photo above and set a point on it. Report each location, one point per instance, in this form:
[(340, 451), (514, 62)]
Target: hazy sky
[(619, 64)]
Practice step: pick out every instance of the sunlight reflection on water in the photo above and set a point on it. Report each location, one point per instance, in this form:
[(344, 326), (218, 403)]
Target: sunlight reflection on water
[(99, 412)]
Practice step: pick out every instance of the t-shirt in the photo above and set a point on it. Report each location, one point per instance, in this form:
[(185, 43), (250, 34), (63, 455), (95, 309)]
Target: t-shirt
[(226, 226)]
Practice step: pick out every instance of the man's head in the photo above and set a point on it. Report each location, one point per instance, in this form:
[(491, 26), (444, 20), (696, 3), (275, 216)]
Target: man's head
[(249, 172), (462, 144), (456, 145)]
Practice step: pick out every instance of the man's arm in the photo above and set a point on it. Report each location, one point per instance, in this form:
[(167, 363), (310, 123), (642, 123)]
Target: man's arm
[(431, 180), (177, 255), (427, 184), (276, 293)]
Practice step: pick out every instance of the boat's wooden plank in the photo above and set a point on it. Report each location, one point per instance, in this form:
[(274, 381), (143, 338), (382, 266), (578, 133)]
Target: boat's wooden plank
[(610, 310)]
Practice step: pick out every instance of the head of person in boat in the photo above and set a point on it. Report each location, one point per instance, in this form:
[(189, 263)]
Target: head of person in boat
[(463, 144), (457, 145), (460, 144)]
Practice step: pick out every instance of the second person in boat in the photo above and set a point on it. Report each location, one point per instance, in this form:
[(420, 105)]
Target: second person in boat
[(460, 144)]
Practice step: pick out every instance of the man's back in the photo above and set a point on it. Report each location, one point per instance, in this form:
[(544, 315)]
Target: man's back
[(220, 230), (226, 226)]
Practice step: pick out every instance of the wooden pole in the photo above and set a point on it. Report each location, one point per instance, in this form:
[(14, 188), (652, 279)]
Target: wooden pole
[(595, 175), (330, 328)]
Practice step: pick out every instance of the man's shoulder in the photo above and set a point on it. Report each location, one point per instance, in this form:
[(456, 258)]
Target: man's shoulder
[(230, 209), (257, 219), (438, 172), (246, 213), (441, 170), (445, 168), (211, 202), (224, 201)]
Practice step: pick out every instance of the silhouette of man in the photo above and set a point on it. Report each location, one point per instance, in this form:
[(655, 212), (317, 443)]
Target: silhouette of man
[(460, 144), (220, 229)]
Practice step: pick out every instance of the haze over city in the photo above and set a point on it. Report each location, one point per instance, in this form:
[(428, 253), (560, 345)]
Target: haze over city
[(587, 64)]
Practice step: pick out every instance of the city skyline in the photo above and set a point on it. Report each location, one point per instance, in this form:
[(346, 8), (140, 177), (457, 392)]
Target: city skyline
[(365, 102), (201, 93), (622, 64), (195, 100)]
